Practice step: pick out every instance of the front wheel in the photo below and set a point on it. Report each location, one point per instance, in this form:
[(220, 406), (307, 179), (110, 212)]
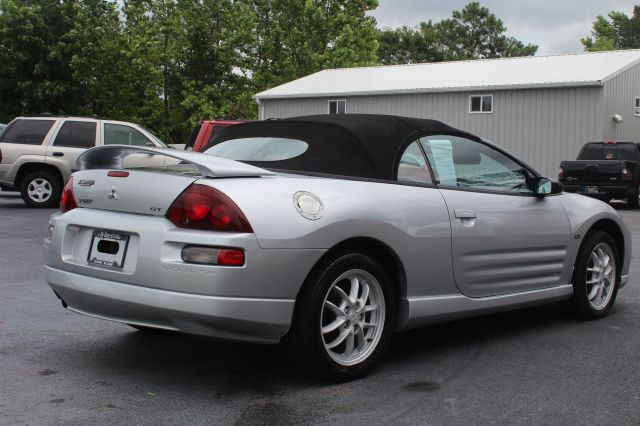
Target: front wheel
[(596, 277), (343, 318)]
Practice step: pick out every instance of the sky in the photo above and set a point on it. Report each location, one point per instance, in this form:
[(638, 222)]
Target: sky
[(556, 26)]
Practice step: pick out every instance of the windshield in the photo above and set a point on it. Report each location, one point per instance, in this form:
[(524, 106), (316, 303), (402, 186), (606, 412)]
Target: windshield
[(259, 149), (157, 139)]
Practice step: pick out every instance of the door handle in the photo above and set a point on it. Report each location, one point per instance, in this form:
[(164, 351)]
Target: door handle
[(58, 154), (465, 214)]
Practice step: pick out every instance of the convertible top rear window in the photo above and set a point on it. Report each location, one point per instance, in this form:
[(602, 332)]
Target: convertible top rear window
[(259, 149)]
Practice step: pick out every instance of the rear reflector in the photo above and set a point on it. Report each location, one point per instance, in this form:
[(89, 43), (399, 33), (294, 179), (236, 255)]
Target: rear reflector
[(213, 256), (117, 174), (231, 257)]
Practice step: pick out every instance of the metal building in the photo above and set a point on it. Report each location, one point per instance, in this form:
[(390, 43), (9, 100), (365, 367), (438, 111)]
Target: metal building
[(542, 109)]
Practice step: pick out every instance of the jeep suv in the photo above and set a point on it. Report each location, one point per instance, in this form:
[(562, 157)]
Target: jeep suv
[(38, 153)]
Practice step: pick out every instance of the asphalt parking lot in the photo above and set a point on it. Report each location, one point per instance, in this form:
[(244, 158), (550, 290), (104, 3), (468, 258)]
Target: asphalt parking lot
[(536, 366)]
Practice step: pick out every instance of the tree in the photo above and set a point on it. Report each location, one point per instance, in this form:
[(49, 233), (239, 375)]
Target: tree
[(294, 38), (473, 33), (406, 45), (36, 46), (167, 63), (619, 31)]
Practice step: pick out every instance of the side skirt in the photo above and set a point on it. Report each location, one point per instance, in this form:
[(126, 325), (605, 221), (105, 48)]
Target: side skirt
[(419, 311)]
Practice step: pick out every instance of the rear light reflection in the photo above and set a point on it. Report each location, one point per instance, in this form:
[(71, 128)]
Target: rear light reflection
[(213, 256), (626, 174), (68, 200)]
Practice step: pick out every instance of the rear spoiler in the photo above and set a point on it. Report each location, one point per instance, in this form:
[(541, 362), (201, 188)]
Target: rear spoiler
[(111, 157)]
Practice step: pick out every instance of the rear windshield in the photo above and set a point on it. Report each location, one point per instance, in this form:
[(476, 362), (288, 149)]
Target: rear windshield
[(259, 149), (27, 132), (601, 151)]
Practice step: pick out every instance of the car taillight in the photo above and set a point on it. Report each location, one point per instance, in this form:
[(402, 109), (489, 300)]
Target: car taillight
[(68, 200), (626, 174), (202, 207), (560, 173)]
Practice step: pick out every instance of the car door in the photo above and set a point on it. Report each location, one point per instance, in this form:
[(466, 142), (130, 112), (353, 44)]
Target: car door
[(504, 238), (122, 134), (73, 137)]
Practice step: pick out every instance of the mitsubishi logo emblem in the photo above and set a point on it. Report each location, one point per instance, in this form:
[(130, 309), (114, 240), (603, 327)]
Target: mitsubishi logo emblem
[(113, 195)]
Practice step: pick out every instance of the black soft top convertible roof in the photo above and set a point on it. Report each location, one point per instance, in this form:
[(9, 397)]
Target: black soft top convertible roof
[(355, 145)]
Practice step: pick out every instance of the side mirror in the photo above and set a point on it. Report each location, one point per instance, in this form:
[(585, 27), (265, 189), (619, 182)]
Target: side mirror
[(543, 186)]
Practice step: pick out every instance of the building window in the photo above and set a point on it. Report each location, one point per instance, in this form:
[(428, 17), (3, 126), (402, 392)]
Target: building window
[(481, 104), (338, 106), (636, 110)]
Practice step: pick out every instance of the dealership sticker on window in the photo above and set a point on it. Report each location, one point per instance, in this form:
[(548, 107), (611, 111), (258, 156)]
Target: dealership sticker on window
[(442, 153)]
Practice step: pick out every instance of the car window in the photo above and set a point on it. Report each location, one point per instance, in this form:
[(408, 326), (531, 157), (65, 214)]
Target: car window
[(412, 166), (259, 149), (215, 132), (628, 152), (117, 134), (27, 132), (77, 134), (592, 151), (463, 163)]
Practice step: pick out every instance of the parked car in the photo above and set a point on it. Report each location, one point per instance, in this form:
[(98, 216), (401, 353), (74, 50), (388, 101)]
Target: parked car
[(605, 170), (205, 133), (328, 233), (38, 153), (2, 127)]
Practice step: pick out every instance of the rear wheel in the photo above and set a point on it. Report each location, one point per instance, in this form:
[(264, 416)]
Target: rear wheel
[(343, 319), (596, 277), (40, 189)]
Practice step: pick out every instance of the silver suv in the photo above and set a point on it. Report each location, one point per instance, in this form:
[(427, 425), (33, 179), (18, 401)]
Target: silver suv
[(38, 153)]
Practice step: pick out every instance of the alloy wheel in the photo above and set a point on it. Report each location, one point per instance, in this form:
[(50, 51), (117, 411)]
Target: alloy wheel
[(601, 276), (353, 317)]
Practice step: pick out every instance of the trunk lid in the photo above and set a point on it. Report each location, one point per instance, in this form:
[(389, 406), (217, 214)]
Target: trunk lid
[(149, 190), (141, 192)]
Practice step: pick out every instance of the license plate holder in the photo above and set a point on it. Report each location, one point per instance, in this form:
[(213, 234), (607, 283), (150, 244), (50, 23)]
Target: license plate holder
[(108, 248), (591, 189)]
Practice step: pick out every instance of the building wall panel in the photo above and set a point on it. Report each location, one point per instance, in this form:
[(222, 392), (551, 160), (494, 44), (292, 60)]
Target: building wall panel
[(540, 126), (619, 98)]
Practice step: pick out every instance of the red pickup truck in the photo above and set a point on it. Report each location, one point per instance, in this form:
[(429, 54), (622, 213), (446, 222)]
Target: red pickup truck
[(205, 133)]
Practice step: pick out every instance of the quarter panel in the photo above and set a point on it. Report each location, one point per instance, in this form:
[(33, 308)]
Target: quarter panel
[(411, 220)]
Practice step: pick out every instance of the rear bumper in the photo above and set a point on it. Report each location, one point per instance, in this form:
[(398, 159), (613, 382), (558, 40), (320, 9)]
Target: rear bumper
[(603, 190), (231, 318), (155, 287)]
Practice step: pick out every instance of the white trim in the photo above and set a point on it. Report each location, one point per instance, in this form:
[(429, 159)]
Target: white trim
[(481, 96), (337, 101), (596, 83)]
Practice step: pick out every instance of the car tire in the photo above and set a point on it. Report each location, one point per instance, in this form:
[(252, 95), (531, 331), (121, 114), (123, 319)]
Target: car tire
[(41, 189), (634, 201), (343, 319), (596, 277)]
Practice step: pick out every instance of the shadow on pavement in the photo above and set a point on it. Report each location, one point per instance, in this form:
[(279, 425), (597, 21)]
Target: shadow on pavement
[(177, 358)]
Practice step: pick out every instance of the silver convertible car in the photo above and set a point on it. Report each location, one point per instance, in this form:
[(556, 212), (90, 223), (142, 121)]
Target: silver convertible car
[(328, 233)]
